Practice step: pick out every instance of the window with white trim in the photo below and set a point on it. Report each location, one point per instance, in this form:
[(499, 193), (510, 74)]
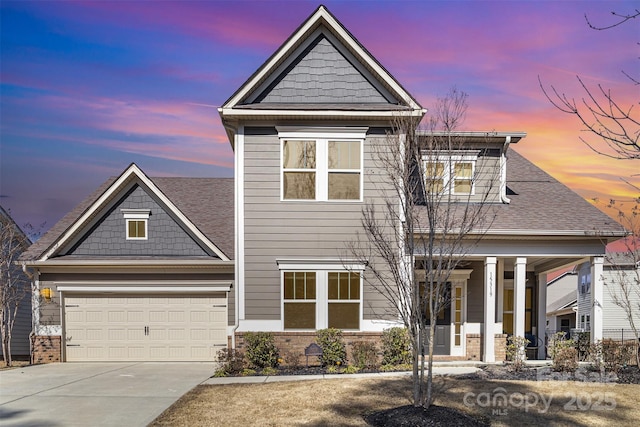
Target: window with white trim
[(321, 169), (454, 174), (136, 223), (299, 300), (321, 299)]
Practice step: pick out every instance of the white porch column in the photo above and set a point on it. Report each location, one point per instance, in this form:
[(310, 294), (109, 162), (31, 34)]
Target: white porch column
[(519, 285), (488, 333), (597, 295), (542, 314)]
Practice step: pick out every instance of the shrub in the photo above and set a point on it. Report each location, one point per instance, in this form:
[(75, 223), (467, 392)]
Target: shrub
[(557, 342), (261, 350), (334, 352), (563, 352), (616, 355), (351, 370), (566, 359), (364, 355), (396, 346), (583, 345), (231, 361), (292, 359), (248, 372), (269, 371), (516, 351)]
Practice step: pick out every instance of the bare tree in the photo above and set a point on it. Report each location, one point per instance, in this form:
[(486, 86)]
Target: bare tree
[(428, 221), (616, 125), (14, 284), (623, 281)]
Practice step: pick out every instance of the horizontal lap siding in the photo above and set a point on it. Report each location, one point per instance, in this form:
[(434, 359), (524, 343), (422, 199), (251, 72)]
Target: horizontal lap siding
[(276, 230)]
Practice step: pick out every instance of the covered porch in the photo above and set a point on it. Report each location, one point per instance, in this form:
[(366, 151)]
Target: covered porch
[(495, 294)]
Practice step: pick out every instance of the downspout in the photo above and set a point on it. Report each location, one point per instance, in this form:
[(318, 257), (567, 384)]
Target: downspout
[(236, 172), (35, 308), (503, 171)]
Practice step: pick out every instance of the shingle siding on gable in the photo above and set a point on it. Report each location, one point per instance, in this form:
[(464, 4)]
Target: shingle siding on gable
[(324, 75), (165, 236)]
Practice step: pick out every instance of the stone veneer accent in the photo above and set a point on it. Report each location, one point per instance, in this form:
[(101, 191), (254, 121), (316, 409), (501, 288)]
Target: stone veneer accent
[(47, 349)]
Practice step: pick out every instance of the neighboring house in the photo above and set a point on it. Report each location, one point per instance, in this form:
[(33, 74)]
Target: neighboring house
[(618, 268), (22, 325), (302, 128), (562, 304)]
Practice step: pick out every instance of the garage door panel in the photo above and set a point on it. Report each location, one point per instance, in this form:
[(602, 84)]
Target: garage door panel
[(145, 327), (157, 316), (93, 316), (175, 315), (95, 334)]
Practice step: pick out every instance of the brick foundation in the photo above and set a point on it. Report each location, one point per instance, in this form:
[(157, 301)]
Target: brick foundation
[(475, 343), (296, 342), (47, 349), (501, 347), (474, 347)]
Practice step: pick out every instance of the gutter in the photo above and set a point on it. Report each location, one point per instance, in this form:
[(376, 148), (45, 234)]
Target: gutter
[(503, 171)]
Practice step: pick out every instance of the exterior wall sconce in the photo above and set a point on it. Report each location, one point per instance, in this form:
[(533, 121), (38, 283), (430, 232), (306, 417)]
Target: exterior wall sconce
[(46, 293)]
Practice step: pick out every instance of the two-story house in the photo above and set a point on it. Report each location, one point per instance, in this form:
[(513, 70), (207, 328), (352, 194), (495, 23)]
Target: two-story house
[(144, 265)]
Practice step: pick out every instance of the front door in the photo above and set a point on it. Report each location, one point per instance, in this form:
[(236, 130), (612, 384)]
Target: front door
[(442, 333)]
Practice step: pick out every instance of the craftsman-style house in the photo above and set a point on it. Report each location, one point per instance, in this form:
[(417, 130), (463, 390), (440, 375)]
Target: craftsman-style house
[(173, 269)]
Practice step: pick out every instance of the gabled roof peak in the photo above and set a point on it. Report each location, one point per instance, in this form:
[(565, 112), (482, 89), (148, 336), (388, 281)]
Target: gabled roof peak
[(344, 47)]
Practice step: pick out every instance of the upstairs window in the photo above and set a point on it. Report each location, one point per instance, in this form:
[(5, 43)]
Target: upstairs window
[(137, 222), (299, 170), (451, 174), (344, 170), (321, 168), (136, 229)]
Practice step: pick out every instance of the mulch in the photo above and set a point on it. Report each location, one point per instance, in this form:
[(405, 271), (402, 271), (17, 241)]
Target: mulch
[(410, 416)]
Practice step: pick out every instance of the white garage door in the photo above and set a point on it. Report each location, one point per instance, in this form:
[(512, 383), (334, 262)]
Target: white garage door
[(145, 328)]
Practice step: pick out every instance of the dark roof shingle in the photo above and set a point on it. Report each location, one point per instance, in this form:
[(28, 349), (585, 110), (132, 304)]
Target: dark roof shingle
[(207, 202)]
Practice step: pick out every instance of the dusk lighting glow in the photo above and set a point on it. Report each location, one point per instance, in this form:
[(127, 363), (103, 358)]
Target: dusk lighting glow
[(89, 87)]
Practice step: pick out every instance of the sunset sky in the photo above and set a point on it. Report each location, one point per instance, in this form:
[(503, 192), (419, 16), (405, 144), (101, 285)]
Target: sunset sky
[(89, 87)]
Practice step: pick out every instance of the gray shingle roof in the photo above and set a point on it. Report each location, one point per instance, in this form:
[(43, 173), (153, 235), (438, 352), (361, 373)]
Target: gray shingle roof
[(207, 202), (540, 203)]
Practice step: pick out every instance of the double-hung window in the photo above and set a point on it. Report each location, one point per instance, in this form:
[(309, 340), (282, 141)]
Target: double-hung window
[(322, 166), (321, 299), (300, 300), (344, 300), (344, 170), (299, 170), (451, 173)]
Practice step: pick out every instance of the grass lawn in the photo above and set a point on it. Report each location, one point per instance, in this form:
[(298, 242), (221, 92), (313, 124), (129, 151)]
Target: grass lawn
[(344, 401)]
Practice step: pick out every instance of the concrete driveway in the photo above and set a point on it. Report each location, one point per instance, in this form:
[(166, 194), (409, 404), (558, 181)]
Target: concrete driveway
[(96, 394)]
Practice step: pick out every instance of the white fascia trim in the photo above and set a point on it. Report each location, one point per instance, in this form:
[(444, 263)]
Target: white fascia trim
[(131, 263), (260, 326), (132, 170), (527, 233), (481, 134), (285, 132), (319, 264), (248, 113), (145, 289)]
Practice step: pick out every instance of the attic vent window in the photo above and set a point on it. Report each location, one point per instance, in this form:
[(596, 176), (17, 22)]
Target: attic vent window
[(136, 223)]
